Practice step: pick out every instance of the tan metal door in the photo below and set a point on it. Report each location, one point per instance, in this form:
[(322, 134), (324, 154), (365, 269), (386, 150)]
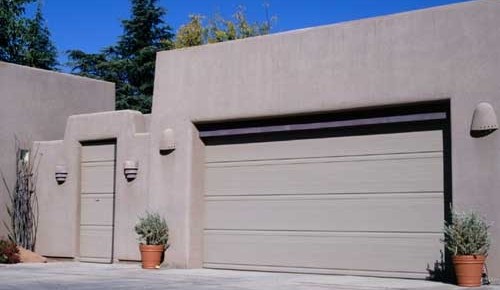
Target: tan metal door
[(97, 203), (365, 205)]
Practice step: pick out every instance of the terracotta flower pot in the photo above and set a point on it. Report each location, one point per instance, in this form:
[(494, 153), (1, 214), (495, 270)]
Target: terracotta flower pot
[(469, 270), (151, 255)]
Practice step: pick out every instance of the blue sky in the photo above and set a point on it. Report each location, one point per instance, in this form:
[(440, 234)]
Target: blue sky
[(90, 25)]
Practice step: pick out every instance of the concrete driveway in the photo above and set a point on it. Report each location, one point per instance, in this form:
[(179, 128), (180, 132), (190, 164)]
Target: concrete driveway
[(79, 276)]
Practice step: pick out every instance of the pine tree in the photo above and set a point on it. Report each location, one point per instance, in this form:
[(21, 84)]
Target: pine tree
[(40, 51), (22, 40), (130, 64), (12, 30)]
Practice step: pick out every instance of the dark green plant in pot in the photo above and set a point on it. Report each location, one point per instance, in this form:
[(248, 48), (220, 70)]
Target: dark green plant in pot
[(467, 237), (153, 237), (467, 234), (152, 229)]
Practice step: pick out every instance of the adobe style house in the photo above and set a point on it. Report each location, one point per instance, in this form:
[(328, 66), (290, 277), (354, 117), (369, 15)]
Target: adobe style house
[(334, 150), (35, 105)]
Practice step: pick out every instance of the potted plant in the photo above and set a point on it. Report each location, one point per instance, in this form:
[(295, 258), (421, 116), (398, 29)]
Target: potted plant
[(153, 237), (468, 239)]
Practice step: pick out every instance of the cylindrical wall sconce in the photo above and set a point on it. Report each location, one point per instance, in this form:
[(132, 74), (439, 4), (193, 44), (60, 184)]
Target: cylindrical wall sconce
[(167, 142), (130, 169), (484, 120), (61, 174)]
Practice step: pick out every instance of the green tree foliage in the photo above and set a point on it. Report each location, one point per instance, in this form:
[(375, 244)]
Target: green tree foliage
[(12, 25), (130, 63), (218, 29), (191, 34), (40, 51), (23, 40)]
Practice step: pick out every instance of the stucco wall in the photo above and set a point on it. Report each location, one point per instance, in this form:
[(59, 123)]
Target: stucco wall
[(35, 105), (449, 52), (60, 204)]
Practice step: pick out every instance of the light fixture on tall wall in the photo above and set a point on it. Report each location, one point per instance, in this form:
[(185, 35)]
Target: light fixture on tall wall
[(484, 120), (130, 169), (61, 174), (167, 142)]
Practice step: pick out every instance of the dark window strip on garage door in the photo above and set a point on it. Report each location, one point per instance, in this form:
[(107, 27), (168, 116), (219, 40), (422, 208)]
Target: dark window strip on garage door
[(329, 187)]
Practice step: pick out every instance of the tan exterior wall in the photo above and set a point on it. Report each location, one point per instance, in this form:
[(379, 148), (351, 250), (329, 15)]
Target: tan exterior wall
[(449, 52), (35, 105), (60, 210), (444, 53)]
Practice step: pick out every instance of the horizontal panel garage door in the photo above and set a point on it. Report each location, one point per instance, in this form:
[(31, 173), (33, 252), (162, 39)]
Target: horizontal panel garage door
[(368, 205)]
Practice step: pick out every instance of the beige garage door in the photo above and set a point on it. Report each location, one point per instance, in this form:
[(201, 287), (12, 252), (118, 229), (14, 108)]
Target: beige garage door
[(365, 205), (97, 200)]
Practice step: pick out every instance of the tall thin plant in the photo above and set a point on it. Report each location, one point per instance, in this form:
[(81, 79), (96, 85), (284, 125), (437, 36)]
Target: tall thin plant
[(23, 207)]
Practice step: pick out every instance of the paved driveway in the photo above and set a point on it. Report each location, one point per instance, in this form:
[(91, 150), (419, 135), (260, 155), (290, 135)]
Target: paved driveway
[(80, 276)]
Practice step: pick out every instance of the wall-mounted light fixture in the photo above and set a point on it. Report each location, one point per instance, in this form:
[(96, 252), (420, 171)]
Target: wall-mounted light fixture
[(130, 169), (61, 174), (167, 142), (484, 120)]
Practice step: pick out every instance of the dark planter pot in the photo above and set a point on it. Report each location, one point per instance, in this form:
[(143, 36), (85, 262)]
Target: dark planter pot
[(151, 255), (469, 270)]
